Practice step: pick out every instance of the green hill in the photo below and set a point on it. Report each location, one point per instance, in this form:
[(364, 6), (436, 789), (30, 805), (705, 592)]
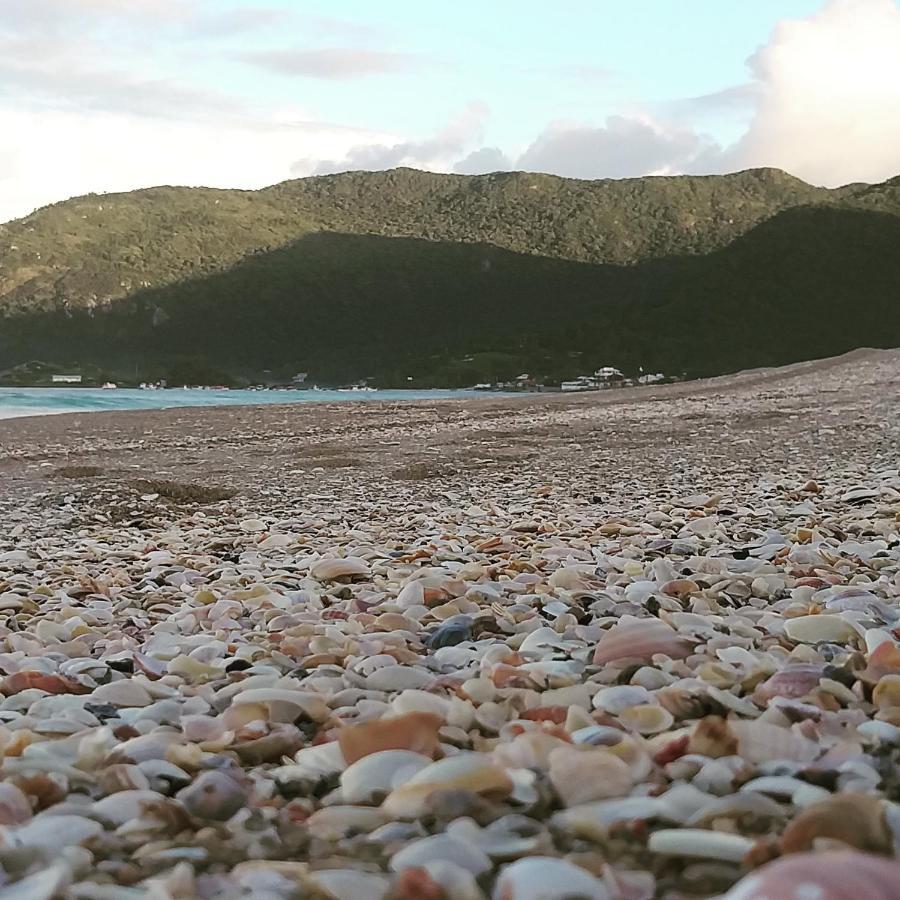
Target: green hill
[(453, 279)]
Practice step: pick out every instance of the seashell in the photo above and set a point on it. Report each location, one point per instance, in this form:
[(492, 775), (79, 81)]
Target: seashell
[(15, 808), (756, 741), (213, 795), (202, 729), (857, 820), (43, 885), (377, 774), (281, 741), (680, 588), (124, 693), (399, 678), (827, 876), (784, 786), (441, 847), (504, 839), (418, 884), (886, 694), (632, 638), (700, 844), (345, 884), (736, 806), (120, 807), (818, 628), (416, 731), (123, 777), (333, 569), (583, 774), (593, 820), (42, 681), (614, 699), (51, 832), (282, 704), (646, 719), (529, 750), (794, 681), (472, 772), (332, 823), (759, 742), (547, 878)]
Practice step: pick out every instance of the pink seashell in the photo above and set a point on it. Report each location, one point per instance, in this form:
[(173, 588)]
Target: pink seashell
[(792, 681), (640, 639), (823, 876)]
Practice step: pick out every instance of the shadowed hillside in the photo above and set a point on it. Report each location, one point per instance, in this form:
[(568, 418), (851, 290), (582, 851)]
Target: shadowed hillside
[(807, 282), (91, 251)]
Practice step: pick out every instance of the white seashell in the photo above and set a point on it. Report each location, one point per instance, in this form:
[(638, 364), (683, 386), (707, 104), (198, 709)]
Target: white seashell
[(331, 569), (701, 844), (252, 526), (547, 878), (614, 699), (285, 705), (816, 628), (331, 823), (646, 719), (592, 820), (682, 801), (122, 693), (378, 773), (573, 695), (43, 885), (399, 678), (441, 847), (542, 640), (118, 808), (737, 804), (786, 786), (473, 772), (51, 832), (313, 763), (760, 741)]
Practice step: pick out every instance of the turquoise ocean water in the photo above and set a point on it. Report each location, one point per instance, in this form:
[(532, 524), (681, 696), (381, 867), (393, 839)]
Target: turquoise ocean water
[(17, 402)]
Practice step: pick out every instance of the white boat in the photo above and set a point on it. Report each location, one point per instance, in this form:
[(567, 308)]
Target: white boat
[(110, 386)]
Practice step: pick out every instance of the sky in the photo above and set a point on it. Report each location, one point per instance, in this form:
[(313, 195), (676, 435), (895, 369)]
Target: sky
[(112, 95)]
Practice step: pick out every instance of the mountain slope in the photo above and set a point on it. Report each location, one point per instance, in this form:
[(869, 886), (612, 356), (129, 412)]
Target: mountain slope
[(807, 282), (94, 250)]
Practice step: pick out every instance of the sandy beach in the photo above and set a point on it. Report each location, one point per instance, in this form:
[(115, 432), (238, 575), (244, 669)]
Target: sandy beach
[(403, 650)]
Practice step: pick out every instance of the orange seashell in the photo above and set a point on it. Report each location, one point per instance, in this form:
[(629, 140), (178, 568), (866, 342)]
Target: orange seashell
[(555, 714), (712, 736), (825, 876), (680, 587), (883, 660), (417, 884), (416, 731), (640, 639), (857, 820), (43, 681), (672, 751)]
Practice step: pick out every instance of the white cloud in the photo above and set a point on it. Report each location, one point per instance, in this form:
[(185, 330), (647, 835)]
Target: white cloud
[(480, 162), (335, 63), (623, 147), (55, 154), (437, 153), (829, 96)]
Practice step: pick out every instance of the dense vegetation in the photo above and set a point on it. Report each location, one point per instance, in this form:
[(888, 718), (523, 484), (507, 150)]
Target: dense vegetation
[(453, 279)]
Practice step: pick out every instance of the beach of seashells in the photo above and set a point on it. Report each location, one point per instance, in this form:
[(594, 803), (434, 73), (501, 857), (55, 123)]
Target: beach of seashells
[(656, 653)]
